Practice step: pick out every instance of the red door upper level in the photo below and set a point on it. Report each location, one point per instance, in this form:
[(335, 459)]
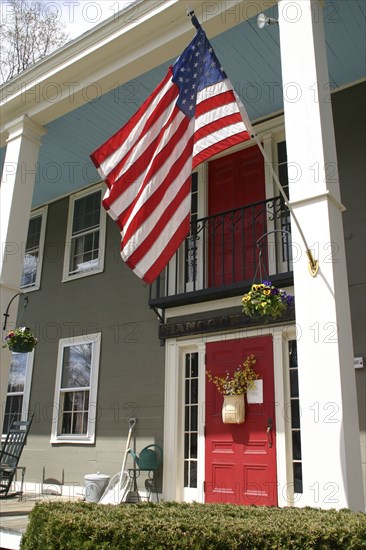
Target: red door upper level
[(234, 181)]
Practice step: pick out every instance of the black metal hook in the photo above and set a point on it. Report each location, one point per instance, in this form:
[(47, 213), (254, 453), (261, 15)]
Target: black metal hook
[(269, 232), (259, 246), (6, 314)]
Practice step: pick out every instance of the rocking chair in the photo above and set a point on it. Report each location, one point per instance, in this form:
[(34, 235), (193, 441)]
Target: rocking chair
[(10, 454)]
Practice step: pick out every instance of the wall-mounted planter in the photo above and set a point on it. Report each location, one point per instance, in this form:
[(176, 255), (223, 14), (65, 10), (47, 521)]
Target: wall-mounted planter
[(233, 409), (22, 347)]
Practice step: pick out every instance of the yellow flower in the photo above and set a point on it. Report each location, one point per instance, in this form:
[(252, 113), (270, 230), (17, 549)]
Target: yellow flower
[(266, 291)]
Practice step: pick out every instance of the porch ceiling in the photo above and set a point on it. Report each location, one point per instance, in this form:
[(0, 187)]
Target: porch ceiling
[(251, 58)]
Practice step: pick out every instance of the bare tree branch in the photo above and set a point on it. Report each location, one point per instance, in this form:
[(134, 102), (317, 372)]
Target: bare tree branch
[(27, 33)]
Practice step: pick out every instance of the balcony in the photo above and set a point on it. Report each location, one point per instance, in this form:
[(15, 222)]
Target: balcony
[(225, 253)]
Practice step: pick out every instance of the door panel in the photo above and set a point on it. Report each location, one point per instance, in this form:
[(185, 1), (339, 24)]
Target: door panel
[(235, 180), (240, 460)]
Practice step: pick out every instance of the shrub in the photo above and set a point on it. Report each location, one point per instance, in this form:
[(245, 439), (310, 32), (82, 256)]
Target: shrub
[(194, 526)]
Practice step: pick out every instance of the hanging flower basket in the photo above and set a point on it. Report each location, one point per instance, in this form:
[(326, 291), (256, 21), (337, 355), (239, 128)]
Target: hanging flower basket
[(233, 387), (265, 300), (20, 340)]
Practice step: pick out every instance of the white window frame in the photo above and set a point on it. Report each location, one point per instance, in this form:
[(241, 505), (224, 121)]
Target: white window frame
[(89, 437), (194, 494), (180, 257), (35, 214), (102, 232), (26, 390)]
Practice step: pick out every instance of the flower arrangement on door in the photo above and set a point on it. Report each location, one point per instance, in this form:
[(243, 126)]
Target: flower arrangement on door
[(20, 340), (233, 386), (265, 300)]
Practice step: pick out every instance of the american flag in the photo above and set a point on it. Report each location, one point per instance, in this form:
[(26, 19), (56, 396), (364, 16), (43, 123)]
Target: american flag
[(193, 114)]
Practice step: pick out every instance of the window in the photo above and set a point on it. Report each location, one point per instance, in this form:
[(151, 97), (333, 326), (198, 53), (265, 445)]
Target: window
[(17, 399), (32, 264), (85, 235), (76, 390), (285, 216), (191, 240), (295, 418), (191, 420), (282, 166)]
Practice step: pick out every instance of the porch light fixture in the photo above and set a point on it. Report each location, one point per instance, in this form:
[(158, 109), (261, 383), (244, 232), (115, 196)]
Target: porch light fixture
[(263, 20)]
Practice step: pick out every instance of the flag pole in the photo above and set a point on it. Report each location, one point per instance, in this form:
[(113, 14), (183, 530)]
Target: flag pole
[(313, 265)]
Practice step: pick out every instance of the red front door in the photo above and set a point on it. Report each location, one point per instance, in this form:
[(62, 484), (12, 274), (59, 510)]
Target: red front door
[(235, 181), (240, 460)]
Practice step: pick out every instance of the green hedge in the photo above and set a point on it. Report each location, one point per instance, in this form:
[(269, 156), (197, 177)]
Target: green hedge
[(70, 525)]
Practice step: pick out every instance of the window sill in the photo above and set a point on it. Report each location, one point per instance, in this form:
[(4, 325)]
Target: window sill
[(69, 278), (69, 440), (27, 289)]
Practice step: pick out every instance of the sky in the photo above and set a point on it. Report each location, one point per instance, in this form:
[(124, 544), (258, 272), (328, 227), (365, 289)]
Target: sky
[(78, 16), (81, 15)]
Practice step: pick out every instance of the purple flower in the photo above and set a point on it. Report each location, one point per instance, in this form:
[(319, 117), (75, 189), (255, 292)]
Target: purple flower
[(267, 283)]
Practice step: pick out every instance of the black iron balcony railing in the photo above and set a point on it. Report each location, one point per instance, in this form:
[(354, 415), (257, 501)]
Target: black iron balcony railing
[(225, 253)]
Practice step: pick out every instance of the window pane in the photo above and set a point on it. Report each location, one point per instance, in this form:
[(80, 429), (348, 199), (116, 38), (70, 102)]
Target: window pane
[(187, 366), (194, 391), (194, 418), (78, 424), (187, 394), (283, 174), (75, 412), (194, 184), (79, 401), (34, 232), (30, 268), (295, 413), (294, 383), (296, 445), (293, 354), (76, 366), (297, 477), (193, 446), (193, 474), (186, 445), (186, 419), (85, 422), (68, 400), (66, 423), (186, 465), (18, 367), (85, 253), (13, 407), (282, 154), (86, 212), (194, 363)]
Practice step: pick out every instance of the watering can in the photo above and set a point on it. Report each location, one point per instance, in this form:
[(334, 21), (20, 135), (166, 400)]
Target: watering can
[(148, 459)]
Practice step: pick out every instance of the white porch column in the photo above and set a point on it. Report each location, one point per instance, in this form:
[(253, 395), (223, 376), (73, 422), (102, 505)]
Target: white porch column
[(330, 441), (16, 192)]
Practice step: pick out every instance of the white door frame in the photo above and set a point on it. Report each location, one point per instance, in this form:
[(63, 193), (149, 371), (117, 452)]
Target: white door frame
[(173, 479)]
